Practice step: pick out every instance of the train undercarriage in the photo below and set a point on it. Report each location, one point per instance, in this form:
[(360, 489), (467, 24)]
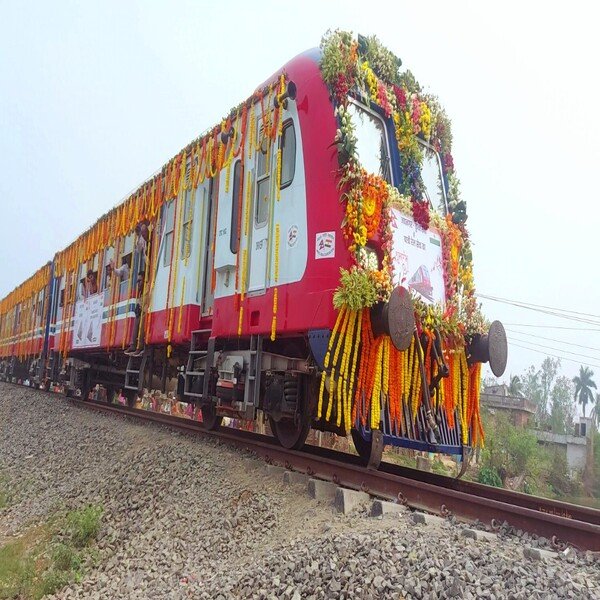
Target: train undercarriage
[(242, 379), (248, 379)]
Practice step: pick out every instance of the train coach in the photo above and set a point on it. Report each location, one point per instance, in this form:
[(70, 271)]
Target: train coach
[(305, 261)]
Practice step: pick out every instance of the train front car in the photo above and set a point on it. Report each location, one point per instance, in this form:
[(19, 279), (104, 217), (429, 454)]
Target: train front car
[(403, 361)]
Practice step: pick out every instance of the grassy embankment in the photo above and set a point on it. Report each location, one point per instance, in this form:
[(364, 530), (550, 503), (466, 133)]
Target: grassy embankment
[(47, 556)]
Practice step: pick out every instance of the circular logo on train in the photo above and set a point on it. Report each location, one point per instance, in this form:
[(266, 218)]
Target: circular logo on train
[(325, 244), (292, 236)]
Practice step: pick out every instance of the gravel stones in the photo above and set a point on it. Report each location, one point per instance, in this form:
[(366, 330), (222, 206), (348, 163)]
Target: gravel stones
[(189, 518)]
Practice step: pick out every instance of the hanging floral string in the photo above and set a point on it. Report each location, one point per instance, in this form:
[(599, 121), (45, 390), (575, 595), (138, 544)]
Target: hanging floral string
[(381, 382)]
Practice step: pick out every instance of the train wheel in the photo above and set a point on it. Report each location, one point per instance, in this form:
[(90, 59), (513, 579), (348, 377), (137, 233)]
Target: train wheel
[(86, 386), (289, 434), (210, 419), (363, 447), (370, 452)]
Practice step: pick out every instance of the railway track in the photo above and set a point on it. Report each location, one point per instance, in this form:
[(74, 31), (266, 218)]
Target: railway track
[(560, 522)]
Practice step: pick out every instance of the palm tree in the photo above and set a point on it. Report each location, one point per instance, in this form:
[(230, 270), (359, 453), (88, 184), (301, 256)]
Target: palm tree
[(596, 410), (583, 386), (515, 387)]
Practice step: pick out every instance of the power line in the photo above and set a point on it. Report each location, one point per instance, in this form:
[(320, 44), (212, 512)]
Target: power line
[(558, 349), (556, 356), (550, 327), (565, 310), (541, 337), (539, 310)]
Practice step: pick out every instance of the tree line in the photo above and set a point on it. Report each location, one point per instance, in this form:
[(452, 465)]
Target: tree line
[(556, 396)]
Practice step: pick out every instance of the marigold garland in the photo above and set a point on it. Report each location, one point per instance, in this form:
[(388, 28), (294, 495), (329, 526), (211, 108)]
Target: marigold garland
[(369, 377)]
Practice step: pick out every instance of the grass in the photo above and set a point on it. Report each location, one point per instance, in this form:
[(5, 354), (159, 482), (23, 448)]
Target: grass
[(83, 525), (438, 466), (20, 560), (402, 457), (5, 497), (399, 457), (16, 571), (66, 558), (48, 556)]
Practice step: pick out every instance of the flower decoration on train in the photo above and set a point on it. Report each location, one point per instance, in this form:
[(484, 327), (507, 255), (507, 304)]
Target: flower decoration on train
[(365, 71), (21, 311), (209, 154), (374, 194), (363, 383)]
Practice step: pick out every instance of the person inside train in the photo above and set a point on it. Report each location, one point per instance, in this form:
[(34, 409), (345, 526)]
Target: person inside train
[(91, 283), (138, 324), (140, 257), (122, 272), (141, 244), (140, 261)]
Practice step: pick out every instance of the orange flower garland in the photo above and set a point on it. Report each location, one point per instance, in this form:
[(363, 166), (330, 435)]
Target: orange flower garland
[(18, 314), (374, 194), (205, 156), (368, 377)]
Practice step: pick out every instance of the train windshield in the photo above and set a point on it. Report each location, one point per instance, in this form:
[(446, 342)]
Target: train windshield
[(371, 142), (434, 189)]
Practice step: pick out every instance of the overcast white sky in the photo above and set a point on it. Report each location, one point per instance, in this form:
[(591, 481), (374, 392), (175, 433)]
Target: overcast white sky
[(95, 96)]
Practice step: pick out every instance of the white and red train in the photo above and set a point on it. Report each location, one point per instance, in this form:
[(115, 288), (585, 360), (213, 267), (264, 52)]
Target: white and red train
[(233, 267)]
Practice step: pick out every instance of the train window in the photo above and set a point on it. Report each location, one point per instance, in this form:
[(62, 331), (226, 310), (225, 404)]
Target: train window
[(262, 201), (61, 301), (432, 178), (288, 154), (124, 285), (82, 291), (371, 141), (169, 229), (187, 231), (263, 181), (90, 283), (234, 240), (68, 291), (262, 160), (107, 271)]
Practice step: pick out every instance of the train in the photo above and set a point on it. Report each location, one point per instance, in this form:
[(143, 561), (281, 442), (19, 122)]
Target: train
[(306, 261)]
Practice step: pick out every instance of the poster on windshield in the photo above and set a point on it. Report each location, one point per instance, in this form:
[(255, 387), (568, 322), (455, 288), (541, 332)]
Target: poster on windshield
[(88, 322), (417, 258)]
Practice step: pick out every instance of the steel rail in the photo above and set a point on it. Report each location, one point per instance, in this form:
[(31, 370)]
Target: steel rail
[(547, 505), (561, 522)]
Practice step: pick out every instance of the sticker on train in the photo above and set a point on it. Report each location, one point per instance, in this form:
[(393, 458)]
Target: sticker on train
[(292, 236), (325, 244)]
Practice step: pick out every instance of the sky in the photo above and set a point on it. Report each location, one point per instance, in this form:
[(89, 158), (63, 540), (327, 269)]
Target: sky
[(96, 96)]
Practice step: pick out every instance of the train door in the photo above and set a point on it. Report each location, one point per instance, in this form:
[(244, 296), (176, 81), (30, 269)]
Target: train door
[(259, 239), (208, 292)]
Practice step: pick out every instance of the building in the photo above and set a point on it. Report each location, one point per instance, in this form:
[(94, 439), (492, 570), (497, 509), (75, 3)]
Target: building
[(576, 445), (498, 398)]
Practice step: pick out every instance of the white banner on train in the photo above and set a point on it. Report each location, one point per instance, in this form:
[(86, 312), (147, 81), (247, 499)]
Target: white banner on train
[(88, 322), (418, 260)]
